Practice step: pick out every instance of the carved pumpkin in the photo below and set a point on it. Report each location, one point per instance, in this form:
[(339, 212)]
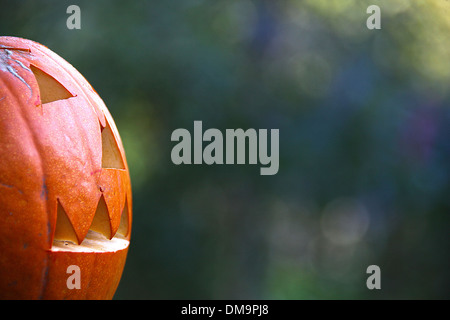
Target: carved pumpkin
[(65, 192)]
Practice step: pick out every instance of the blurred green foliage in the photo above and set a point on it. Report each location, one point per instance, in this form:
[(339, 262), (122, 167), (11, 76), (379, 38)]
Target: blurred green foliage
[(364, 140)]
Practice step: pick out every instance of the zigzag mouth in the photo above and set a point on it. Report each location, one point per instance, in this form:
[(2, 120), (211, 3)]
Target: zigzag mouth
[(100, 228)]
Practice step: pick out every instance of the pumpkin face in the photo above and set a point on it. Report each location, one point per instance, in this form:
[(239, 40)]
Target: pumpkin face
[(65, 192)]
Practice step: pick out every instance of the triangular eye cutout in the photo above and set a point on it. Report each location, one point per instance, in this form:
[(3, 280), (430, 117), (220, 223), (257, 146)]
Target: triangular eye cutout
[(64, 229), (50, 89), (124, 223), (111, 157), (101, 222)]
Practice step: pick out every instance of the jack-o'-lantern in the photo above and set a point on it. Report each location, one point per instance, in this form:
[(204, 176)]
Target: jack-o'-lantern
[(65, 192)]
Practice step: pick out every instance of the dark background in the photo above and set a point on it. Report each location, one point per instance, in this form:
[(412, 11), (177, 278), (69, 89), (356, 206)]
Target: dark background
[(364, 126)]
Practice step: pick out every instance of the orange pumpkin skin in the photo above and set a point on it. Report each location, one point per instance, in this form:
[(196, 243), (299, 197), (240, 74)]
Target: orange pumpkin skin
[(64, 180)]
